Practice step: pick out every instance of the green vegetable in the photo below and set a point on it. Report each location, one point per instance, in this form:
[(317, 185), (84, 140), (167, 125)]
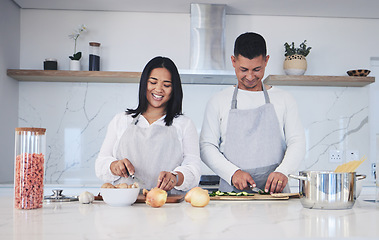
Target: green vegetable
[(263, 193), (233, 193)]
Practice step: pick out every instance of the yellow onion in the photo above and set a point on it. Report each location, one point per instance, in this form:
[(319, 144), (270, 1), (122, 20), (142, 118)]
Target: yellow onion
[(156, 197), (198, 197), (187, 198)]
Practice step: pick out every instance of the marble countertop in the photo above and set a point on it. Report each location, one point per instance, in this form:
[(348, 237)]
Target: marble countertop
[(280, 219)]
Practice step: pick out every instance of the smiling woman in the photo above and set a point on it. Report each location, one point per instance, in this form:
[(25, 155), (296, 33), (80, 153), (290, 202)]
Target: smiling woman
[(158, 94), (154, 142)]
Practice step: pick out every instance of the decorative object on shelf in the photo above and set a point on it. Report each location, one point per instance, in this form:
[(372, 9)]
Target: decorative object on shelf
[(75, 58), (295, 62), (50, 64), (359, 72), (94, 56), (75, 65)]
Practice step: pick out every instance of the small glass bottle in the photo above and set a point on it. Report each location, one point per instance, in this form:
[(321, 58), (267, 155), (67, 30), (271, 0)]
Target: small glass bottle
[(94, 56), (30, 147)]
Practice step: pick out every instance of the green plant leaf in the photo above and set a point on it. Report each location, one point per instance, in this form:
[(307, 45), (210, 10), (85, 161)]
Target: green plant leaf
[(302, 50), (76, 56)]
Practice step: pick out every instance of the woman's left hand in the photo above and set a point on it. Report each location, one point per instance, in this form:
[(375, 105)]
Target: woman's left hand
[(166, 181)]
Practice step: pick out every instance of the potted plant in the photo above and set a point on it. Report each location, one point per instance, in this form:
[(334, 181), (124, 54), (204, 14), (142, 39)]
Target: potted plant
[(295, 62), (76, 56)]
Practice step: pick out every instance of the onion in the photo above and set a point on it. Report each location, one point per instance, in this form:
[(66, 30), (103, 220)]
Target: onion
[(108, 185), (189, 194), (198, 197), (156, 197)]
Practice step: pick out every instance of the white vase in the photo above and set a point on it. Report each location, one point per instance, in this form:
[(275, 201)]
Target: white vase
[(74, 65), (295, 65)]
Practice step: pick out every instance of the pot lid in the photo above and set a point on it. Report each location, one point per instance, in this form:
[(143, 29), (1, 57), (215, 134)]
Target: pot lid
[(57, 196)]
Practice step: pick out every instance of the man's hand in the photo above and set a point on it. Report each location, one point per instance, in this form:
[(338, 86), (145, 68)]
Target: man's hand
[(121, 167), (276, 182), (242, 180)]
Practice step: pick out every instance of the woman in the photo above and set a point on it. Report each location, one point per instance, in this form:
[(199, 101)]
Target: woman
[(154, 142)]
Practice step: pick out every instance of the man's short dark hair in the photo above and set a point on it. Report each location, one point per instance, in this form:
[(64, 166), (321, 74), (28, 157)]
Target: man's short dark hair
[(250, 45)]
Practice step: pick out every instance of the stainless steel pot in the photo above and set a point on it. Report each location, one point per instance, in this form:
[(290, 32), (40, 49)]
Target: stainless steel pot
[(327, 189)]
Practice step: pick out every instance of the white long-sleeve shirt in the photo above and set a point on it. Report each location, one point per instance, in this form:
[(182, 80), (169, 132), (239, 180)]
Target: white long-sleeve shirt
[(212, 138), (187, 135)]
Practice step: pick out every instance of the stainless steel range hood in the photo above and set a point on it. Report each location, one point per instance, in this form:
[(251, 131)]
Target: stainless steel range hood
[(207, 65)]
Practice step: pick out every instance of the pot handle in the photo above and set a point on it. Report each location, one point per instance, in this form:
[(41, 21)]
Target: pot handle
[(298, 177), (360, 176)]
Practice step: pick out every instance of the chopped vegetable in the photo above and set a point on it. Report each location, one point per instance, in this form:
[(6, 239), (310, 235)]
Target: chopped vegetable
[(233, 193)]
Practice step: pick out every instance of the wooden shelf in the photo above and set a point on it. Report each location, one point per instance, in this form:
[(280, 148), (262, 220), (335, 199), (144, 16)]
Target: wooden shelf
[(74, 76), (218, 78), (304, 80), (187, 78)]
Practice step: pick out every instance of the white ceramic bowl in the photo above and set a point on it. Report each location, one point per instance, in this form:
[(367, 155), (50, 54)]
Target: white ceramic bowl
[(119, 197)]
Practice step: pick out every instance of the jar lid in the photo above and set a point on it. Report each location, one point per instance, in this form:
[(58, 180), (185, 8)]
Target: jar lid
[(40, 131), (94, 44), (57, 196), (51, 59)]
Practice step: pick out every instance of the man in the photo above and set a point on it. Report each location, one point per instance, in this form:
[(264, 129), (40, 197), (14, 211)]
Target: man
[(251, 134)]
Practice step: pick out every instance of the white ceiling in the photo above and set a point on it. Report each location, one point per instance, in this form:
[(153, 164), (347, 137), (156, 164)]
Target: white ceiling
[(314, 8)]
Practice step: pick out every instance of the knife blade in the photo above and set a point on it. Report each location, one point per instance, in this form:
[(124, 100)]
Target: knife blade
[(256, 189), (134, 177)]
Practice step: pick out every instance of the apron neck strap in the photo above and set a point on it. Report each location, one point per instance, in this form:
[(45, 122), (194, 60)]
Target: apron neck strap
[(234, 99), (267, 98)]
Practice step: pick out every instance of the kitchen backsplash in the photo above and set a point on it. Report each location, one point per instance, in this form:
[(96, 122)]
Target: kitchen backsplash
[(76, 116)]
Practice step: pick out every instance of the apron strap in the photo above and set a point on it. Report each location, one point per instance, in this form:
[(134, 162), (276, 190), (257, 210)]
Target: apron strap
[(267, 98), (234, 98)]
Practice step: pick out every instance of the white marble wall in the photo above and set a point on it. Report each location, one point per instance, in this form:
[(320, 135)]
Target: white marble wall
[(76, 116)]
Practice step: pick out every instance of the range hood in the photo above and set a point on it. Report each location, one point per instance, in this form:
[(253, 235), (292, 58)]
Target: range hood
[(207, 56)]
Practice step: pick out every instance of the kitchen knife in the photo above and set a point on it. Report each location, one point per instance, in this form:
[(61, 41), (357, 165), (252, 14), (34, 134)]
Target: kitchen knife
[(256, 189), (134, 177)]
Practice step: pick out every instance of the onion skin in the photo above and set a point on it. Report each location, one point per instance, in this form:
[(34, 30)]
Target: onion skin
[(156, 197), (187, 198), (198, 197)]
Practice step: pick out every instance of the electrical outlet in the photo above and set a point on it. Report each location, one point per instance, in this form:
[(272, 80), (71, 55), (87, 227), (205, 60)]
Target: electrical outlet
[(335, 156), (352, 155)]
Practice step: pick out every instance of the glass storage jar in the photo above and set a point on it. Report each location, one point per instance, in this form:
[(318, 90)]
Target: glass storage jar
[(30, 148), (94, 56)]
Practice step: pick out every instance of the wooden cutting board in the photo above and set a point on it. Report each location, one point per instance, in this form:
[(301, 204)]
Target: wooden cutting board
[(170, 198), (276, 196), (141, 198)]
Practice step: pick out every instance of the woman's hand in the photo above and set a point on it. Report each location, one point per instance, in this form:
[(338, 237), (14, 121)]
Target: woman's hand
[(276, 182), (167, 180), (122, 168)]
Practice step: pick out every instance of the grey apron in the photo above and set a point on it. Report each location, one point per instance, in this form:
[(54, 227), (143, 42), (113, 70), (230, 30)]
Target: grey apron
[(253, 142), (150, 150)]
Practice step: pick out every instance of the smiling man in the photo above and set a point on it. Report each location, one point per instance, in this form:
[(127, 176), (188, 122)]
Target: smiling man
[(252, 134)]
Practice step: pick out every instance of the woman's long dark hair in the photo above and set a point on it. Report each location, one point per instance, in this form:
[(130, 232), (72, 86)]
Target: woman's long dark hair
[(174, 105)]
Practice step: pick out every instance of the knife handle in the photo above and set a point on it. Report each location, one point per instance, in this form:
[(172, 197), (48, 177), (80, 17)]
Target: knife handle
[(128, 174)]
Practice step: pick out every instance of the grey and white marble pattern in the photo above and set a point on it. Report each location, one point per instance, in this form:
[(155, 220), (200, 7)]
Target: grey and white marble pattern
[(76, 116)]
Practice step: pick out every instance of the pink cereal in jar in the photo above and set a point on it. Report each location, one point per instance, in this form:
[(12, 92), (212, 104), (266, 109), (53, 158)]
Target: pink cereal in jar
[(29, 168)]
